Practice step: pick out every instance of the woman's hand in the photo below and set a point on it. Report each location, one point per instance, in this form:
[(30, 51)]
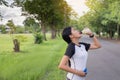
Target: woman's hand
[(90, 33), (81, 73)]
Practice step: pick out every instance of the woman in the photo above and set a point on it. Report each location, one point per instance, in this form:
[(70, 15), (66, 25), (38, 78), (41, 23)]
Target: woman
[(75, 57)]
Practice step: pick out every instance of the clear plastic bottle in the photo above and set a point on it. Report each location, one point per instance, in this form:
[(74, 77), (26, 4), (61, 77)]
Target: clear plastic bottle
[(86, 30)]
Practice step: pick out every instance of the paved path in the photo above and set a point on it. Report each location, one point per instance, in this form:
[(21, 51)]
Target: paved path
[(104, 63)]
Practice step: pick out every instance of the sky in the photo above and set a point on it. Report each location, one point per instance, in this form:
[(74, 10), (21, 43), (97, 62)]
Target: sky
[(15, 13), (11, 14), (79, 6)]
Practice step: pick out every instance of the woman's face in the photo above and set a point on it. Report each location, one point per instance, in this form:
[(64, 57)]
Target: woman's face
[(75, 33)]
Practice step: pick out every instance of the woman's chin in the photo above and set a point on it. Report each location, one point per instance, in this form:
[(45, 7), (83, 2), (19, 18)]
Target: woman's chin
[(80, 36)]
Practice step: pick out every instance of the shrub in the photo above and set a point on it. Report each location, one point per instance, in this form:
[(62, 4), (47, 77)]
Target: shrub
[(38, 38), (20, 29), (21, 38)]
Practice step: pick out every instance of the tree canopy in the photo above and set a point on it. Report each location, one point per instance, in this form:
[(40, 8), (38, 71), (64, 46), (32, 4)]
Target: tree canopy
[(49, 13), (103, 16)]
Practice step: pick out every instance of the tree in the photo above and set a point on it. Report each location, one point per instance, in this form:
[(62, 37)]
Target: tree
[(31, 25), (12, 30), (12, 27), (34, 27), (49, 13), (111, 18), (115, 14), (104, 15), (59, 15), (2, 29), (40, 9)]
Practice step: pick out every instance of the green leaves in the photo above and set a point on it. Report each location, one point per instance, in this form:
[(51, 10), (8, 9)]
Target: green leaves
[(50, 12), (31, 25), (104, 15), (11, 25)]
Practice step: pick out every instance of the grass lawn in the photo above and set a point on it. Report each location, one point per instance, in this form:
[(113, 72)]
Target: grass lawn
[(34, 62)]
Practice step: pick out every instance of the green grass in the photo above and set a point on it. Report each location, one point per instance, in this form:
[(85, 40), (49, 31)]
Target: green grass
[(34, 62)]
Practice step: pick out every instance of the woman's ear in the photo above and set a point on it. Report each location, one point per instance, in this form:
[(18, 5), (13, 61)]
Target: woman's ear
[(70, 36)]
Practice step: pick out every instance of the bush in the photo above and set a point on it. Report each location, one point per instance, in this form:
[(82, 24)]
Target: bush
[(20, 29), (2, 29), (21, 38), (38, 38)]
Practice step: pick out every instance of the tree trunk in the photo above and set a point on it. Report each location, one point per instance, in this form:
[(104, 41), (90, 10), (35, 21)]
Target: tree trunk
[(118, 31), (16, 45), (99, 34), (53, 32), (111, 33), (43, 31), (58, 33)]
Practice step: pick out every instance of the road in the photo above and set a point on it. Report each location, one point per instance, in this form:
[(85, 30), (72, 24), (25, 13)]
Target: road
[(104, 63)]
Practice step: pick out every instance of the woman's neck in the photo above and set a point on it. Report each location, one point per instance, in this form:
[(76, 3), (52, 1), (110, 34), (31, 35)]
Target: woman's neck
[(76, 41)]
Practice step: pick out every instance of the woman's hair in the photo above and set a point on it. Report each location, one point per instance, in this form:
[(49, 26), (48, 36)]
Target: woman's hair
[(65, 34)]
